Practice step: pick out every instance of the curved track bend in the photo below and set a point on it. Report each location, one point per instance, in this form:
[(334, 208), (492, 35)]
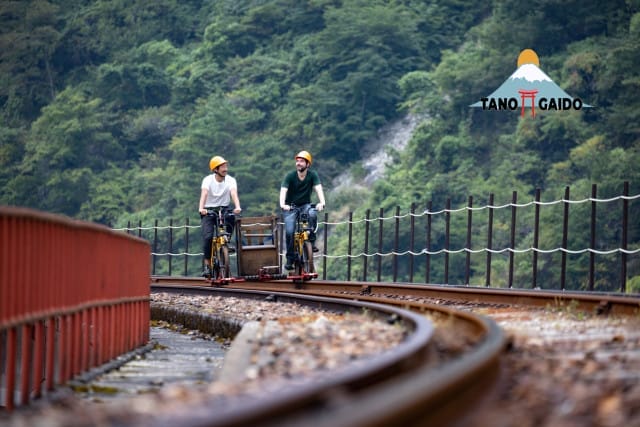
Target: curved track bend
[(432, 384)]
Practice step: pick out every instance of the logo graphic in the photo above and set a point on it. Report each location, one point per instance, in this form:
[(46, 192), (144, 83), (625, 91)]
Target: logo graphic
[(530, 87)]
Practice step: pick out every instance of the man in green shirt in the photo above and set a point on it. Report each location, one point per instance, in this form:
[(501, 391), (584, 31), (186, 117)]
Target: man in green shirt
[(295, 199)]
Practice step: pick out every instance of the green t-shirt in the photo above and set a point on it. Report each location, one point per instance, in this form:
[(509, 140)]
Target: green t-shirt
[(299, 191)]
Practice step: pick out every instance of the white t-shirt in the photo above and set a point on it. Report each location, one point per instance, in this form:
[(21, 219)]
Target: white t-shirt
[(218, 193)]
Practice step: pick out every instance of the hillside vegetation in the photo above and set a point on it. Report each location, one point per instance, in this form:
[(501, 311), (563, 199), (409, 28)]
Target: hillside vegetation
[(111, 109)]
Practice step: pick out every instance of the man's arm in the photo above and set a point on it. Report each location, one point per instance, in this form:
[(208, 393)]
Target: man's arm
[(236, 201), (203, 197), (283, 197), (320, 193)]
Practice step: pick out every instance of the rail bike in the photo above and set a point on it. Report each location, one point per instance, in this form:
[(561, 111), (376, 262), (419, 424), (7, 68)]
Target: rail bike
[(258, 250), (304, 268), (220, 264)]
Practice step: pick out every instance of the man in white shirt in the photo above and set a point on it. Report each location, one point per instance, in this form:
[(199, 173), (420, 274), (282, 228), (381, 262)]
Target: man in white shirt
[(217, 190)]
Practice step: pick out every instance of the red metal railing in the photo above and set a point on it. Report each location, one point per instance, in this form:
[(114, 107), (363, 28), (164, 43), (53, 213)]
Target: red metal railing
[(73, 295)]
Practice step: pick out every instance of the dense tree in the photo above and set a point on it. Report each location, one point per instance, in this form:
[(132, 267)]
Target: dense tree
[(365, 48), (110, 109), (69, 142), (29, 36)]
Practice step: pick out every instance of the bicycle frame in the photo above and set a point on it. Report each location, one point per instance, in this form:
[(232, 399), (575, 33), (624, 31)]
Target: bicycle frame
[(220, 265), (303, 249)]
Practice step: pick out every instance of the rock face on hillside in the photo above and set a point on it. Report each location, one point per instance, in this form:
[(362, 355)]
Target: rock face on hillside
[(377, 153)]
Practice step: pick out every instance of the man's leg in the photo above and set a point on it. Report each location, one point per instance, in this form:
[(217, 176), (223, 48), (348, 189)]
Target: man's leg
[(289, 229), (230, 222), (313, 223), (207, 224)]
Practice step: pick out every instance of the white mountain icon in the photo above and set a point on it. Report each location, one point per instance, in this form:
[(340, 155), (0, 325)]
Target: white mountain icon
[(528, 77)]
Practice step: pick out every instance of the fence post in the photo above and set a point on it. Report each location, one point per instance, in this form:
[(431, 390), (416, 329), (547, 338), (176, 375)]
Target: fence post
[(412, 241), (565, 234), (468, 260), (366, 245), (349, 246), (380, 221), (512, 240), (155, 245), (447, 217), (396, 244), (170, 245), (536, 237), (623, 243), (186, 244), (489, 241), (428, 244), (326, 241), (592, 242), (281, 236)]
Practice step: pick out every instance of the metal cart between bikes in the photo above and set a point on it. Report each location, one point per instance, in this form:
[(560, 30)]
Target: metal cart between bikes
[(258, 252)]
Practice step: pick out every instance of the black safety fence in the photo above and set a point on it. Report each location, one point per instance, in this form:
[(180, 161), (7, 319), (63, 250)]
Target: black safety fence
[(590, 244)]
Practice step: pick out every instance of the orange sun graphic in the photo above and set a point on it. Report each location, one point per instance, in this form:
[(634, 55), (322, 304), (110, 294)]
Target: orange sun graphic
[(528, 56)]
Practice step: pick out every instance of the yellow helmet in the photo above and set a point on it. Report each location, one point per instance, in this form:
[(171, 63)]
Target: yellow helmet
[(304, 155), (216, 161)]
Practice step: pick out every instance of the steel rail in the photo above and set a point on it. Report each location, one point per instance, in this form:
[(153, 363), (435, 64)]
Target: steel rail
[(412, 392), (594, 302)]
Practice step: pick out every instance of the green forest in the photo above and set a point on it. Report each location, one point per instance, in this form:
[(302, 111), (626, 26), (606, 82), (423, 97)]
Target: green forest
[(111, 109)]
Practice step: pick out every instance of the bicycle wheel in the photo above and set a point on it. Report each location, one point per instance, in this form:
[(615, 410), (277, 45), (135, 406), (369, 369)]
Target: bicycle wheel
[(215, 264), (224, 267), (306, 266)]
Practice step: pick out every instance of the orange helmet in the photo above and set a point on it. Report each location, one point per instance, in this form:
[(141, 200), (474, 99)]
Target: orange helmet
[(304, 155), (216, 161)]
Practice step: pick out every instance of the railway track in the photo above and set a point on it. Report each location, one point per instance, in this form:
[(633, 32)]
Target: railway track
[(446, 376), (555, 341), (390, 293), (426, 378), (434, 386)]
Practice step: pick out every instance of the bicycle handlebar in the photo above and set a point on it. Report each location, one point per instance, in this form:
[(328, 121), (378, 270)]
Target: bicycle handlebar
[(294, 207), (215, 211), (220, 213)]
